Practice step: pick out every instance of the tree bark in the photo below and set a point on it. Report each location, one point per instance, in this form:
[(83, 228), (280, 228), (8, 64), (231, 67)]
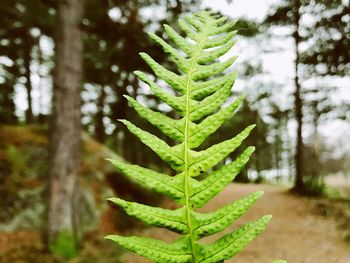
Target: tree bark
[(299, 182), (65, 135), (27, 48), (100, 133), (8, 108), (257, 148)]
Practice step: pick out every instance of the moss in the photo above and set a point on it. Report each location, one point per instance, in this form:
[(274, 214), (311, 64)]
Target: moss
[(23, 176), (65, 246), (21, 135)]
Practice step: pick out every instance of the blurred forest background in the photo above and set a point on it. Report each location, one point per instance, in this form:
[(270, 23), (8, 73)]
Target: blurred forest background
[(64, 68)]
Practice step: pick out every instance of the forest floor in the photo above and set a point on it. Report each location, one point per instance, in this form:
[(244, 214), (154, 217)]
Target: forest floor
[(302, 230)]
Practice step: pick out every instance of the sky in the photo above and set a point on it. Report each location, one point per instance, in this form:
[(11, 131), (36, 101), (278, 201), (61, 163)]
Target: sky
[(280, 64), (252, 9)]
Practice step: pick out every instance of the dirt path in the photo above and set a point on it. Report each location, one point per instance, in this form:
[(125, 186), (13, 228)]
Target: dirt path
[(295, 233)]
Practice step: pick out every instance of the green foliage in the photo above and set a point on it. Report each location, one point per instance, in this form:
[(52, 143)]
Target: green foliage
[(64, 246), (314, 186), (199, 92)]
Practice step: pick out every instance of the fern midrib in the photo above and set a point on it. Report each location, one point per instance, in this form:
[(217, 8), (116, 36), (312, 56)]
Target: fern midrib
[(186, 149)]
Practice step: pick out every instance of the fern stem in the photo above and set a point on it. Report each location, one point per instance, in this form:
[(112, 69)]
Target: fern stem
[(186, 151)]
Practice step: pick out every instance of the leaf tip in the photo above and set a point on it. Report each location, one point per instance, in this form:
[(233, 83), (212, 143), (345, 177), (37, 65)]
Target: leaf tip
[(122, 120), (266, 218), (152, 35), (137, 72), (128, 98), (110, 237), (143, 55), (259, 193), (112, 199), (251, 127), (251, 149), (242, 96)]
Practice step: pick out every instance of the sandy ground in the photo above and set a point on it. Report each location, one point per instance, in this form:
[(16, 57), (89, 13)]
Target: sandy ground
[(295, 232)]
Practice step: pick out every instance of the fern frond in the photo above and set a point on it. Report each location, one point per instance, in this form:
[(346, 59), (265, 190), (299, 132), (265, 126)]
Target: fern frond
[(214, 222), (170, 127), (207, 159), (161, 183), (199, 132), (206, 189), (174, 80), (232, 243), (174, 220), (172, 101), (155, 250), (200, 89), (171, 155)]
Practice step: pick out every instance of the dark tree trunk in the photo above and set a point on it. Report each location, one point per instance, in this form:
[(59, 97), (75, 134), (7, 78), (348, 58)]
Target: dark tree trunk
[(299, 182), (41, 118), (7, 110), (120, 111), (27, 48), (259, 179), (100, 128), (65, 140)]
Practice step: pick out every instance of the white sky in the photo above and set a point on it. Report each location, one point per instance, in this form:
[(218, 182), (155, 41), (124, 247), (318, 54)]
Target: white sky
[(279, 64), (253, 9)]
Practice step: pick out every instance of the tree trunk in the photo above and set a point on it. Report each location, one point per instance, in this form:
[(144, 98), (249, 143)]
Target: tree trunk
[(41, 118), (27, 48), (299, 182), (100, 128), (65, 140), (259, 178), (8, 108)]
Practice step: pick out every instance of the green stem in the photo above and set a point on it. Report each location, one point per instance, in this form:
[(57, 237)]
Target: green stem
[(186, 153)]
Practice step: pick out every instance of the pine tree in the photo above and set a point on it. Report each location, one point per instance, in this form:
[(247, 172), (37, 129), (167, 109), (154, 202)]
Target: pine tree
[(65, 137), (289, 13)]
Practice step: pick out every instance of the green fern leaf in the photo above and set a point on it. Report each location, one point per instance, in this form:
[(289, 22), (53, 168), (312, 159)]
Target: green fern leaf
[(174, 80), (174, 220), (205, 190), (162, 183), (205, 71), (172, 101), (211, 223), (205, 160), (170, 127), (182, 43), (200, 90), (199, 132), (208, 105), (206, 57), (171, 155), (155, 250), (218, 41), (232, 243)]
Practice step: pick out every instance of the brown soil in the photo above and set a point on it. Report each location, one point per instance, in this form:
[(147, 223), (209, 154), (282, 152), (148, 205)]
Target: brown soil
[(295, 233), (302, 231)]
